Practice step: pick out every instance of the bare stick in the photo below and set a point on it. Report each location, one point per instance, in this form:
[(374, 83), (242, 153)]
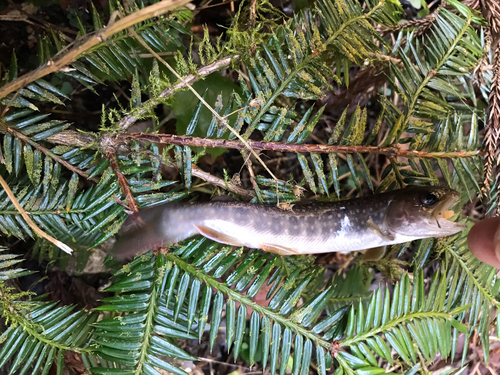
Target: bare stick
[(110, 155), (248, 162), (30, 222), (295, 148), (56, 63), (72, 138), (205, 176)]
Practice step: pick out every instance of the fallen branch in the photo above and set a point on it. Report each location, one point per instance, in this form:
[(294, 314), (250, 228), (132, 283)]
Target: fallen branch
[(73, 138), (491, 11)]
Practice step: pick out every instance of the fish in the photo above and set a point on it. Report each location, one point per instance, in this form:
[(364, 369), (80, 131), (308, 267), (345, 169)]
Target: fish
[(373, 221)]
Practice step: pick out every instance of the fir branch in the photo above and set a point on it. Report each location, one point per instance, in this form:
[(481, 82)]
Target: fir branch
[(129, 120), (244, 300), (440, 63), (391, 151), (85, 43), (30, 222), (421, 25), (221, 119), (64, 163), (475, 279), (491, 11), (394, 323)]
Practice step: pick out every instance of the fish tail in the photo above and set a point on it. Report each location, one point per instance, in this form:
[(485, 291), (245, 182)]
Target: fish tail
[(150, 229)]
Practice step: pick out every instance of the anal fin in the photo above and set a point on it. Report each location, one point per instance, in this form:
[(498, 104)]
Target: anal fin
[(278, 249), (374, 254), (217, 236)]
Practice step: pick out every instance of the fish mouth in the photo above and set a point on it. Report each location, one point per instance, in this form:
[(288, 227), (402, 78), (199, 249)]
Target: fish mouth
[(447, 227)]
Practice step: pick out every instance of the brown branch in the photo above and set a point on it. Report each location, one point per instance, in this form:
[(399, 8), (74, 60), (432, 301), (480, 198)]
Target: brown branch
[(108, 150), (82, 45), (86, 140), (205, 176), (74, 138), (129, 120), (253, 4), (248, 162), (492, 134), (285, 147), (491, 11), (421, 25)]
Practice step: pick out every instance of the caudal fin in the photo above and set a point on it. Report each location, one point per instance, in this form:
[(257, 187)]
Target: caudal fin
[(141, 232)]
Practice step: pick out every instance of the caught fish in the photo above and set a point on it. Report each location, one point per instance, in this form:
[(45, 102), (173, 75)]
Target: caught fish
[(349, 225)]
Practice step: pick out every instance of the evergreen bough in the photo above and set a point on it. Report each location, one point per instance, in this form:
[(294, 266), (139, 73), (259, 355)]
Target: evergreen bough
[(427, 130)]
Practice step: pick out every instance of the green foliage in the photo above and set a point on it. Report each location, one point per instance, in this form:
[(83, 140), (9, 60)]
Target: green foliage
[(334, 322)]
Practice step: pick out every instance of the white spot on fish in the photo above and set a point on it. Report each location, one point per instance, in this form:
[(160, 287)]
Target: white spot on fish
[(345, 223)]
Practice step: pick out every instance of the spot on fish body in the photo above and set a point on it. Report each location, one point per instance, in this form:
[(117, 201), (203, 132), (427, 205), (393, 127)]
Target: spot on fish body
[(346, 223)]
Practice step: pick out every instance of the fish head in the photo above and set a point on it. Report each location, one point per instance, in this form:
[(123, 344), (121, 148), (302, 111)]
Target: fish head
[(418, 212)]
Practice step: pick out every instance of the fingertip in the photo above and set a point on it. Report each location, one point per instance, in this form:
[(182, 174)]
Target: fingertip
[(481, 240)]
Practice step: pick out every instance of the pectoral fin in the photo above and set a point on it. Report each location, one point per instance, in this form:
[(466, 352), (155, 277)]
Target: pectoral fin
[(217, 236), (374, 254), (375, 228), (277, 249)]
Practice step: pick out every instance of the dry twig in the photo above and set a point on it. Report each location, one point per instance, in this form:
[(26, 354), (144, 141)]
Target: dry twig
[(289, 147), (113, 162), (205, 176)]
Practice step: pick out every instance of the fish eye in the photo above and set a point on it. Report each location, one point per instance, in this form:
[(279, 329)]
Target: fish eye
[(429, 199)]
